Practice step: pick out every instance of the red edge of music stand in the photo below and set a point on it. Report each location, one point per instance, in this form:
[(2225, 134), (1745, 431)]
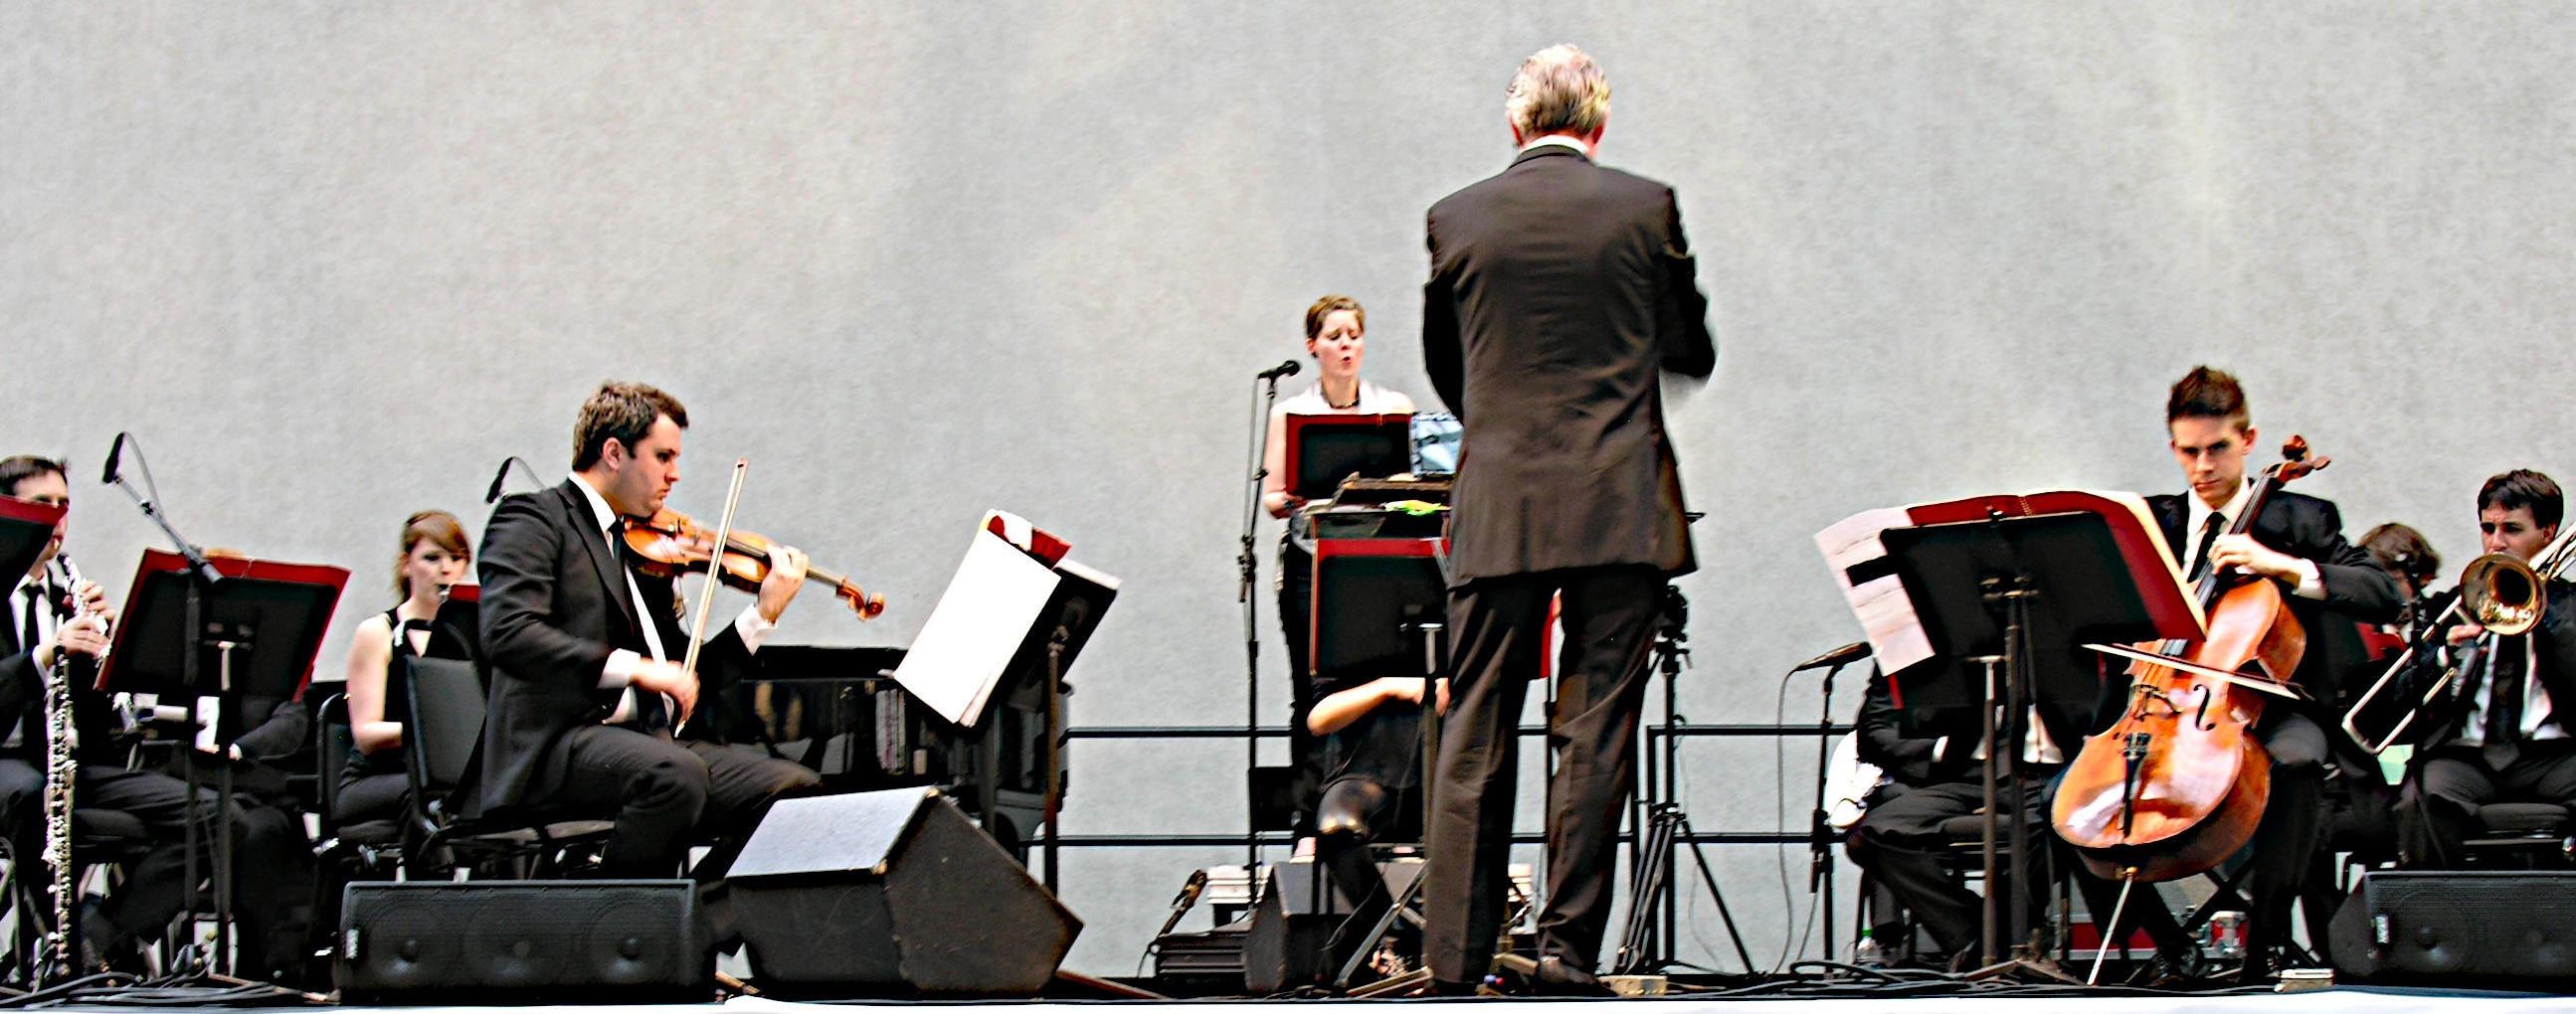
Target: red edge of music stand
[(2169, 604), (31, 512), (1298, 421), (157, 561), (1331, 548)]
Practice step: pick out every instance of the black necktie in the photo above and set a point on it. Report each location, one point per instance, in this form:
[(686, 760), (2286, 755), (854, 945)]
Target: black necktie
[(28, 634), (2208, 537), (2504, 701)]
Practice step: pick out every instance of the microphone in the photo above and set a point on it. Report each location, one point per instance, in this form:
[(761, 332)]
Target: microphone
[(1190, 891), (499, 477), (114, 454), (1286, 369), (1837, 658)]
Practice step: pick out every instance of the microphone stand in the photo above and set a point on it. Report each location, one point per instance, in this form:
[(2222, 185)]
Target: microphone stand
[(1250, 566), (202, 575)]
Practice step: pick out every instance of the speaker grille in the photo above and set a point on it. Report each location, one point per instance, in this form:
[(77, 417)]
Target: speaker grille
[(565, 939)]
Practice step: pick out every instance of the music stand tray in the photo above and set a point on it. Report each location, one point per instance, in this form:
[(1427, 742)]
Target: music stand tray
[(1325, 449), (25, 527)]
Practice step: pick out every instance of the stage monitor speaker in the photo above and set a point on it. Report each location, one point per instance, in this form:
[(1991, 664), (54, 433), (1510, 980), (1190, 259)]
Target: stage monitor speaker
[(2463, 928), (891, 893), (1298, 912), (523, 941)]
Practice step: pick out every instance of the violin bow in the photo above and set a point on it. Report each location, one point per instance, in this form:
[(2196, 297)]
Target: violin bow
[(715, 574)]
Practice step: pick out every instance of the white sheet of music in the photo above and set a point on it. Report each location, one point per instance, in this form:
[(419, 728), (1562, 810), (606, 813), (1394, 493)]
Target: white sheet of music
[(977, 626), (1887, 617)]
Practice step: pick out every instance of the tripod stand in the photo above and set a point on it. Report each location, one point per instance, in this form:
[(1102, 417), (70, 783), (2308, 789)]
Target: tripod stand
[(1646, 942)]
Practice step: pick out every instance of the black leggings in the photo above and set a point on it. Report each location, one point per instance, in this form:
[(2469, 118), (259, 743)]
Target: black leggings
[(1355, 812)]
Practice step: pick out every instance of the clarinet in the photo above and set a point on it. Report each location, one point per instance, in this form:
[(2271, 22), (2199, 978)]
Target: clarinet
[(60, 771)]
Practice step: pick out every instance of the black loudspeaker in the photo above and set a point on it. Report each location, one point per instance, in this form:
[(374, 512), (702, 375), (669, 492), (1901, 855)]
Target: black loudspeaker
[(523, 941), (2467, 928), (1298, 912), (892, 893)]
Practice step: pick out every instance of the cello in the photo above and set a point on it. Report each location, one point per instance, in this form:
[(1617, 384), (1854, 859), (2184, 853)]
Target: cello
[(2179, 783)]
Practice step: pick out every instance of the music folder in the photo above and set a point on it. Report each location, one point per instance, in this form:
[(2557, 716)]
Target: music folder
[(1013, 591), (25, 527), (274, 612), (1325, 449), (1913, 576)]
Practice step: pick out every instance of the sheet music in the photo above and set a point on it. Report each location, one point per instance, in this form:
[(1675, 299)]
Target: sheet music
[(977, 626), (1887, 618)]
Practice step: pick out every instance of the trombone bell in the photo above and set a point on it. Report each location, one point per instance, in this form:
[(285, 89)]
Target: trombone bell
[(2502, 593)]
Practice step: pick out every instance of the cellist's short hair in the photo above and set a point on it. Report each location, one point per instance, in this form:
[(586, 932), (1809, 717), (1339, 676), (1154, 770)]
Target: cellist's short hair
[(622, 409), (2403, 551), (1559, 90), (2523, 487), (2207, 393)]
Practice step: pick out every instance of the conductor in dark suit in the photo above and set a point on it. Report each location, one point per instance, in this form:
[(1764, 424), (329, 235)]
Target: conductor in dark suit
[(587, 685), (1560, 290), (2298, 542)]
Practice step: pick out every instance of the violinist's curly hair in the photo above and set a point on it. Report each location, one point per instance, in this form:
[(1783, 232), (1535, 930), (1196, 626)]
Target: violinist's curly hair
[(2403, 551), (623, 410), (433, 526), (2207, 393)]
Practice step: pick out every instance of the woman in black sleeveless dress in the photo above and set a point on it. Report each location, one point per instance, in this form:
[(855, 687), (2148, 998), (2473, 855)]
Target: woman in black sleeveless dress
[(434, 555)]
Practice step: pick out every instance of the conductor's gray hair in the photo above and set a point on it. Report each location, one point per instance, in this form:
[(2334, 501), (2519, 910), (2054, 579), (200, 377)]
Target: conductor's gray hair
[(1559, 90)]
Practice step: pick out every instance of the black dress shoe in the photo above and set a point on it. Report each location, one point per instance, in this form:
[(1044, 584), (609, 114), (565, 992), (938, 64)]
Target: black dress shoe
[(1557, 978), (2175, 967)]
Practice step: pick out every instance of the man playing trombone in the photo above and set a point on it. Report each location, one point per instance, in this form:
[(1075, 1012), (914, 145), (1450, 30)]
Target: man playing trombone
[(2494, 735)]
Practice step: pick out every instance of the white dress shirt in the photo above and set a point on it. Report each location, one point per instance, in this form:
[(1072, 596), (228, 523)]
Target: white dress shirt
[(2538, 720), (620, 670)]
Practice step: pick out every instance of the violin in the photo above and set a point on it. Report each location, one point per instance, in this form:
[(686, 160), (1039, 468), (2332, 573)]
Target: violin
[(2179, 783), (670, 544)]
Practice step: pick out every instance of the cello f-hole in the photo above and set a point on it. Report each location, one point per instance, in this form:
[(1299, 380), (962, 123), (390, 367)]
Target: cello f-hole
[(2200, 715)]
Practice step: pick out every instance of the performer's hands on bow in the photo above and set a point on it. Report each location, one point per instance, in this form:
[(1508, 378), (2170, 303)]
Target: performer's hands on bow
[(668, 678)]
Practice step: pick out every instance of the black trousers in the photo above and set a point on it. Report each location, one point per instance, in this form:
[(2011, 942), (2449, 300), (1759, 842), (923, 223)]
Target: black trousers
[(2438, 809), (2281, 853), (1901, 844), (1296, 619), (669, 795), (365, 797), (1609, 616)]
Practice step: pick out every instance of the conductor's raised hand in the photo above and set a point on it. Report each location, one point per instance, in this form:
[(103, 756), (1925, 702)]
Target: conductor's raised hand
[(786, 578)]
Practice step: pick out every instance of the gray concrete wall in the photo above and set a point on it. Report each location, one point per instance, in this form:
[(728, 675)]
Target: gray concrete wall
[(331, 262)]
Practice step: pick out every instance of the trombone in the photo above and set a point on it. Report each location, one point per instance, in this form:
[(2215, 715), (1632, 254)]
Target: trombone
[(2500, 592)]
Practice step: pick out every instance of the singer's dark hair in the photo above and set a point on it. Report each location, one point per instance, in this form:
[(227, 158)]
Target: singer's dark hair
[(2523, 487), (624, 411), (1330, 305), (433, 526), (24, 467), (2404, 552), (2207, 393)]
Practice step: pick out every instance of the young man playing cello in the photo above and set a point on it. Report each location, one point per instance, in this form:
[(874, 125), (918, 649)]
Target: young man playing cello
[(2297, 541)]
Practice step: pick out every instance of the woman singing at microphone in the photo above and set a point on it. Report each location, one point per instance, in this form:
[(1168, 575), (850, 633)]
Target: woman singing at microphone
[(1336, 337)]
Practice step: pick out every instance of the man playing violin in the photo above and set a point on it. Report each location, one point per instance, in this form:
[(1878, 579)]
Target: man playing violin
[(2494, 735), (2297, 541), (588, 689)]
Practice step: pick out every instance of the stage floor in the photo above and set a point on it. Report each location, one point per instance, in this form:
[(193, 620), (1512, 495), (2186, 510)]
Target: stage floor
[(2348, 1000)]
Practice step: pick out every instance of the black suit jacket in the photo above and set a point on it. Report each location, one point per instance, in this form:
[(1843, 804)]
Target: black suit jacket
[(554, 606), (2310, 529), (1559, 290)]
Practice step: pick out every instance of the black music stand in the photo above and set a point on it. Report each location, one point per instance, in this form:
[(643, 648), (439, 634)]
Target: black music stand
[(1379, 610), (1058, 633), (2027, 592), (262, 624), (1322, 450)]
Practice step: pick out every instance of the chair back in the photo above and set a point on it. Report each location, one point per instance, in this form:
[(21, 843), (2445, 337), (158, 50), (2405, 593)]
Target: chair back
[(332, 739), (446, 721)]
